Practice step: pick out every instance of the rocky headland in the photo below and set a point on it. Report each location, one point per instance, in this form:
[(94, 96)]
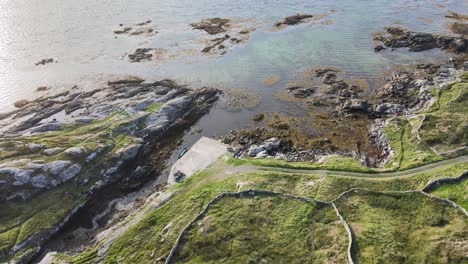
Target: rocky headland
[(60, 153)]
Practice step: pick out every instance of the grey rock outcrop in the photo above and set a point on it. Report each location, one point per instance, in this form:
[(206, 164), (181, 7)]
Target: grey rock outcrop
[(55, 167), (129, 152), (69, 173), (52, 151)]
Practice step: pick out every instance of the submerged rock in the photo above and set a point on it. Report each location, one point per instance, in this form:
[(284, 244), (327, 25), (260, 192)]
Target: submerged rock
[(141, 54), (293, 20)]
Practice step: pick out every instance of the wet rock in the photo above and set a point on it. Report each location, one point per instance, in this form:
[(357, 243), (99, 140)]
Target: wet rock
[(293, 20), (356, 105), (21, 103), (301, 92), (459, 28), (322, 71), (339, 87), (379, 48), (52, 151), (258, 117), (212, 26), (69, 173), (217, 44), (401, 38), (123, 31), (42, 89), (140, 54), (125, 82), (44, 62), (329, 78), (324, 101)]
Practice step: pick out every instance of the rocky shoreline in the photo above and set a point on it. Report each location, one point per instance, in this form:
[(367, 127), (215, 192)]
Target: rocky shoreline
[(404, 93), (90, 141)]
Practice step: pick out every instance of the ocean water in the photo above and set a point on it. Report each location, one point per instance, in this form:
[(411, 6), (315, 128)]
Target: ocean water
[(79, 36)]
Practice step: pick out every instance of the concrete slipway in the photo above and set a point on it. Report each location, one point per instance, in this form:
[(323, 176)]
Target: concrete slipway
[(202, 154)]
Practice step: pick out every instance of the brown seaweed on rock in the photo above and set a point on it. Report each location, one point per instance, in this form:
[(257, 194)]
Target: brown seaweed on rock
[(212, 26), (395, 37)]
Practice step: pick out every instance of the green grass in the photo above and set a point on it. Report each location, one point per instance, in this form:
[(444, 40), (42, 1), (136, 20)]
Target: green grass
[(264, 229), (457, 192), (330, 187), (153, 107), (87, 256), (19, 220), (334, 162), (145, 242), (404, 228), (409, 152), (434, 134)]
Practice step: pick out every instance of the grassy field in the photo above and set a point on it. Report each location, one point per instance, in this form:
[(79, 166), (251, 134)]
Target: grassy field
[(404, 228), (388, 227), (457, 192), (264, 229)]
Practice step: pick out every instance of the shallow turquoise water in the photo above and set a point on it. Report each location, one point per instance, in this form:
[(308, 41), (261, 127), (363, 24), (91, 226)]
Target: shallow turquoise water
[(79, 36)]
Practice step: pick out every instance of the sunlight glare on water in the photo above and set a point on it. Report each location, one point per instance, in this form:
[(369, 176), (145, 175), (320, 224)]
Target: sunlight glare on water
[(79, 36)]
